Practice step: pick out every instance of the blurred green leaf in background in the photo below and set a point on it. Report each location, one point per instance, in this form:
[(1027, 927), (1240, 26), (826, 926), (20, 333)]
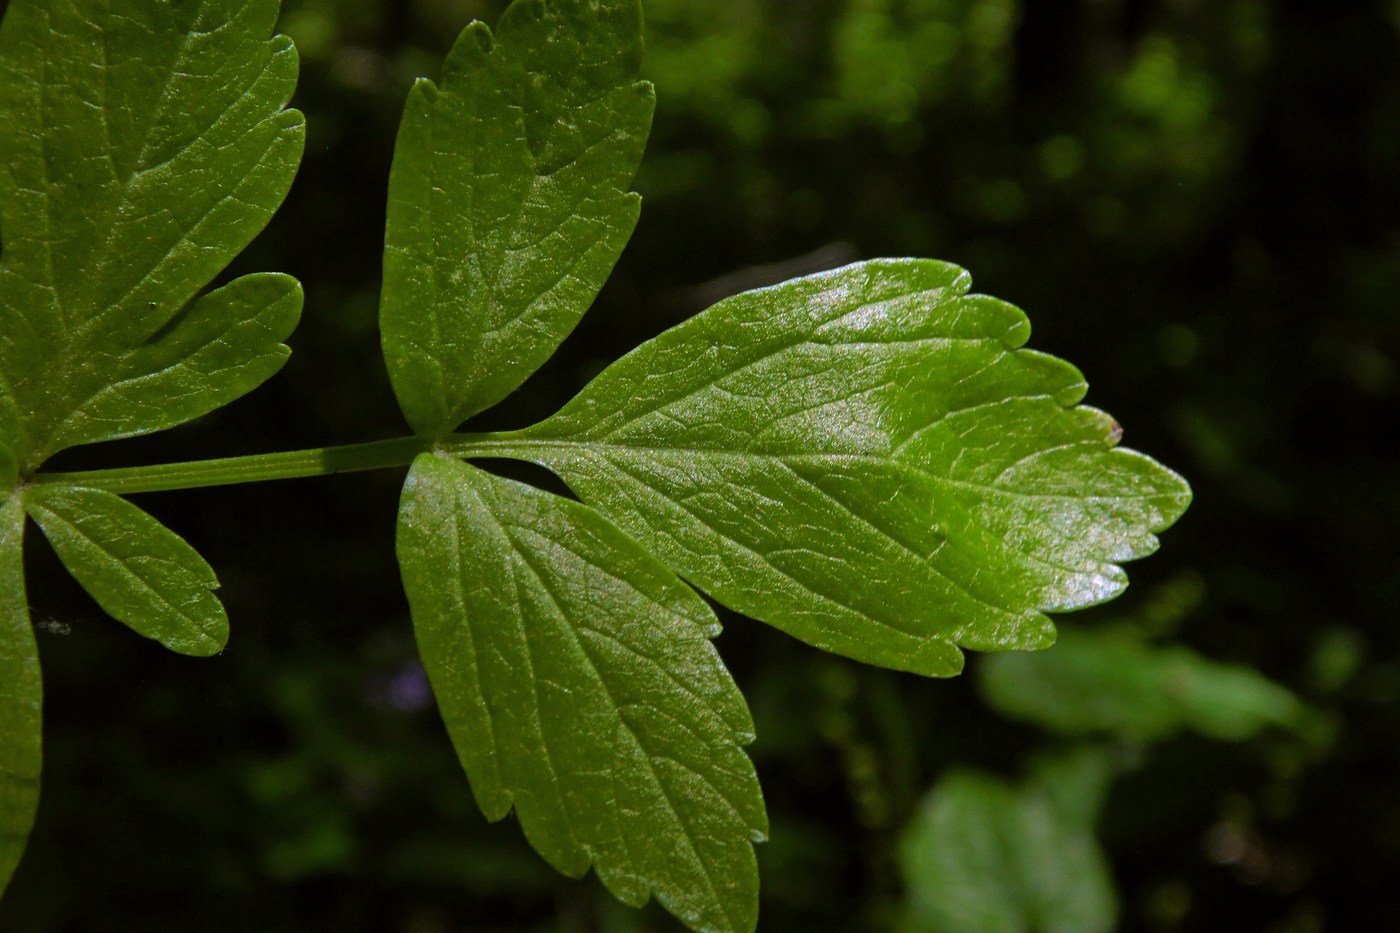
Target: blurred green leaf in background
[(985, 855)]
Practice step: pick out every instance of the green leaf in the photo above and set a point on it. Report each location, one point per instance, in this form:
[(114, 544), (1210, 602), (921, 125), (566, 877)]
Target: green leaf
[(9, 435), (1096, 682), (146, 144), (866, 459), (507, 201), (138, 570), (579, 685), (222, 346), (983, 856), (21, 696), (9, 469)]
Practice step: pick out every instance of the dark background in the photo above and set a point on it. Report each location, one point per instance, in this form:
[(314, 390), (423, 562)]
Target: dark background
[(1195, 202)]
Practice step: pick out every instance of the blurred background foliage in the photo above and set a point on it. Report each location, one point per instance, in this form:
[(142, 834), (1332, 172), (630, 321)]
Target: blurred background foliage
[(1194, 199)]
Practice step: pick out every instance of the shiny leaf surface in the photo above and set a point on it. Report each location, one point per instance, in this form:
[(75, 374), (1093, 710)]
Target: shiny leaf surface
[(869, 460)]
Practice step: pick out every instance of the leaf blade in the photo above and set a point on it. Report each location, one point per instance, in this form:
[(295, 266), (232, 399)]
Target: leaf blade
[(222, 346), (147, 145), (508, 202), (139, 571), (21, 696), (1100, 682), (578, 683), (984, 855), (869, 460)]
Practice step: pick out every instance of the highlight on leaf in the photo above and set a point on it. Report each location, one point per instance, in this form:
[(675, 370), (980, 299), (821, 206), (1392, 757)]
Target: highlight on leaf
[(870, 460)]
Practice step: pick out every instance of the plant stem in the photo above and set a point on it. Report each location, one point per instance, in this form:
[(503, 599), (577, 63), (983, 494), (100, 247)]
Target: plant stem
[(292, 464), (254, 468)]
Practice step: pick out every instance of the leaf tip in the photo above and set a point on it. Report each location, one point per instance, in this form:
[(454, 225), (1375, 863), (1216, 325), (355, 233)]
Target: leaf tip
[(282, 44), (1017, 334), (207, 646), (936, 657), (1176, 498), (1097, 421), (291, 125), (469, 53), (1072, 394), (1115, 432), (206, 638), (1164, 490), (645, 91)]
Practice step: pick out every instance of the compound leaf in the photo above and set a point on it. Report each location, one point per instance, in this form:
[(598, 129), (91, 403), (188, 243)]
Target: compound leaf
[(138, 570), (579, 685), (1098, 682), (146, 144), (867, 459), (21, 695), (507, 201)]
